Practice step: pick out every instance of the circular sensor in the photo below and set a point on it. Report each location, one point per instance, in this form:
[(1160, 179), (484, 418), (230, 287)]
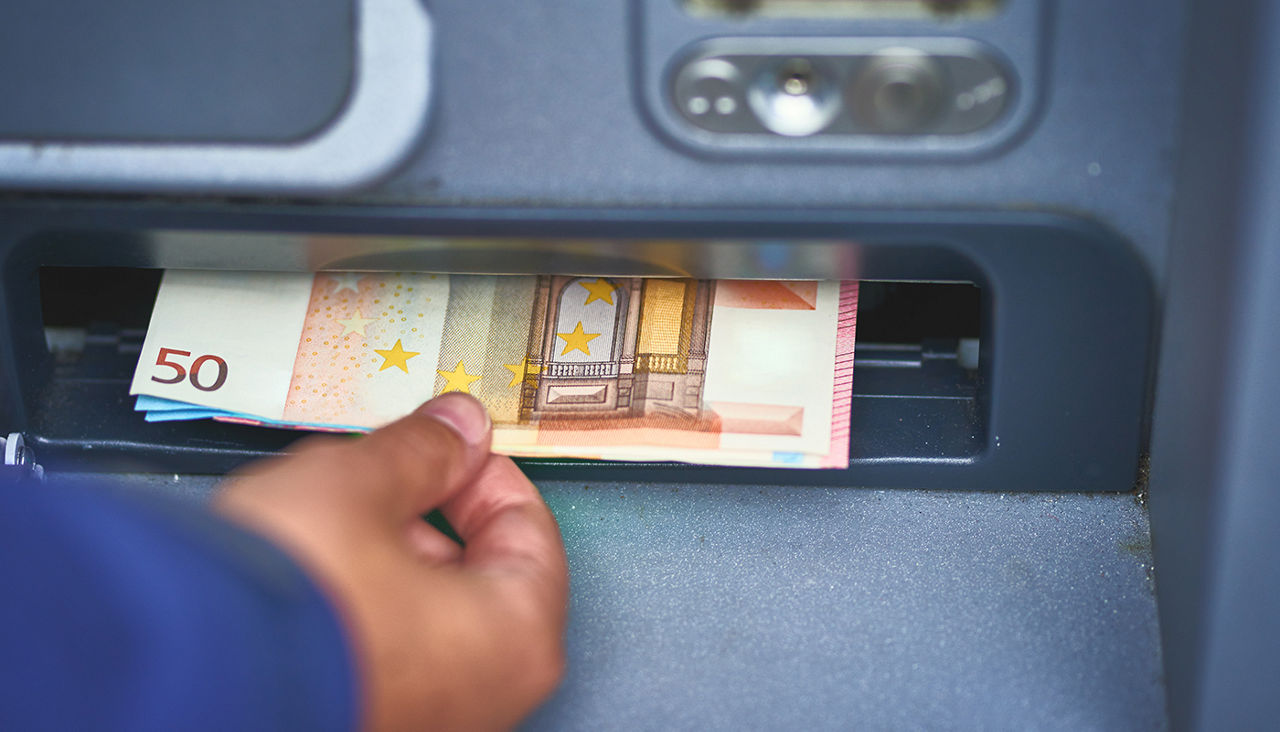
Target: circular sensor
[(898, 91), (796, 97)]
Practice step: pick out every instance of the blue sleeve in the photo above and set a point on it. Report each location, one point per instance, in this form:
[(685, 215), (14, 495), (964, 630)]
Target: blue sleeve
[(120, 614)]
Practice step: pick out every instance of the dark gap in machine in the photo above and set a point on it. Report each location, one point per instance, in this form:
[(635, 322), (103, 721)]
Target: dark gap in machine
[(911, 312), (918, 380), (73, 297)]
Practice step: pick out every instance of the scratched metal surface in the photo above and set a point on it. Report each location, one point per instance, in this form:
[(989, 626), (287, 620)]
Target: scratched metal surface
[(731, 607)]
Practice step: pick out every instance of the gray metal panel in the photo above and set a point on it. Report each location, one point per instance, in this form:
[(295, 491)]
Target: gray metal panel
[(1214, 497), (750, 607), (376, 130), (538, 106)]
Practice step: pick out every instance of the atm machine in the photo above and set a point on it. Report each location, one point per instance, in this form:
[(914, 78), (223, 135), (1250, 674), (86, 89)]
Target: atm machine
[(1060, 502)]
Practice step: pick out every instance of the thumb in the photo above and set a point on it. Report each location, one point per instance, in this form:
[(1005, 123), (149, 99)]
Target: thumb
[(418, 462), (393, 474)]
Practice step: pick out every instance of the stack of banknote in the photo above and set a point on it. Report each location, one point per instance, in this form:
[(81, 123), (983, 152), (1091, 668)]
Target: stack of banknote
[(719, 372)]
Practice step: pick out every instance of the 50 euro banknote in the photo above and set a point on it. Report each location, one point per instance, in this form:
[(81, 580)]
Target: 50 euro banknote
[(723, 372)]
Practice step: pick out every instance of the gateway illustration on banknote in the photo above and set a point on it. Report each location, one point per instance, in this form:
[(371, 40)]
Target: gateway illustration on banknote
[(719, 372), (630, 349)]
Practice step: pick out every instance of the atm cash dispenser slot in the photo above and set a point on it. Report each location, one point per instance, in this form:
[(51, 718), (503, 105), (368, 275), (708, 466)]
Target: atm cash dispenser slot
[(967, 374)]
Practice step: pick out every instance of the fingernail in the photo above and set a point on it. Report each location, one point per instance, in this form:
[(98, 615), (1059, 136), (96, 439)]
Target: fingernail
[(461, 413)]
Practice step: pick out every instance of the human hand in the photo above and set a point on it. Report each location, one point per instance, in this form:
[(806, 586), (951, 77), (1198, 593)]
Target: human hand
[(444, 636)]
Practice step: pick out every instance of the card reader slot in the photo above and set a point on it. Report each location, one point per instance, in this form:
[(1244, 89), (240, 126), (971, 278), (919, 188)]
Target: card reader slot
[(1042, 383)]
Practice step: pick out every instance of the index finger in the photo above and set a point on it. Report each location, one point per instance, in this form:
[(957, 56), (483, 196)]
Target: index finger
[(509, 531)]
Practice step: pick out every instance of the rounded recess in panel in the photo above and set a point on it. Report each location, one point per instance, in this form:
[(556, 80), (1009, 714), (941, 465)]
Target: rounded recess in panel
[(795, 97), (884, 94), (817, 89)]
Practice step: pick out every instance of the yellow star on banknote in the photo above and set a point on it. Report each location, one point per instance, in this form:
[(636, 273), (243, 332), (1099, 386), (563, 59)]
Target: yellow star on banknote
[(457, 380), (577, 340), (395, 356), (518, 370), (356, 324), (598, 290)]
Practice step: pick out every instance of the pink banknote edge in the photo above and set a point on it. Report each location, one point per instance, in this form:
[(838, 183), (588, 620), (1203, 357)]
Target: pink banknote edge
[(842, 386)]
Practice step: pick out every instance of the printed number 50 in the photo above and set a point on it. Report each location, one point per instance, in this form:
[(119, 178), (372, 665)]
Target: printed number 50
[(180, 372)]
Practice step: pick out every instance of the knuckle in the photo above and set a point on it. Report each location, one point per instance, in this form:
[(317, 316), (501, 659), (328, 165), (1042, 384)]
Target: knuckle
[(535, 666), (540, 646), (545, 668), (554, 664), (317, 446), (309, 456), (320, 442)]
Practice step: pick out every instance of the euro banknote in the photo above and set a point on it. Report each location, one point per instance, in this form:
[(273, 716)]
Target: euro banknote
[(721, 372)]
